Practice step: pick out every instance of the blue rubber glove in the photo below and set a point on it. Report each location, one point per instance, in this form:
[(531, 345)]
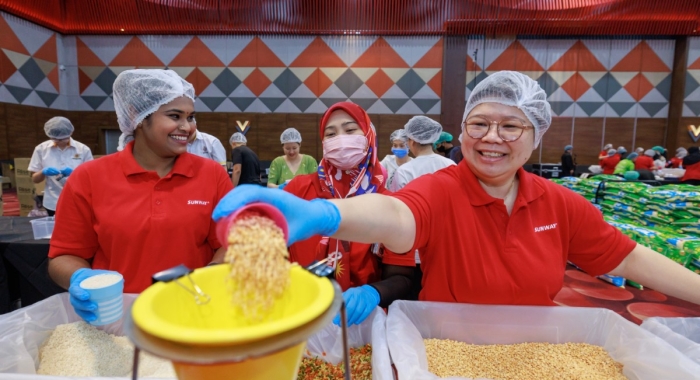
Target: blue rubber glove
[(304, 218), (282, 185), (359, 303), (49, 172), (79, 297), (66, 171)]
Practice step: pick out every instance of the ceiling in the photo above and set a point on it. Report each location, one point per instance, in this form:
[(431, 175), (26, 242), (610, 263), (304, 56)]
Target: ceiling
[(385, 17)]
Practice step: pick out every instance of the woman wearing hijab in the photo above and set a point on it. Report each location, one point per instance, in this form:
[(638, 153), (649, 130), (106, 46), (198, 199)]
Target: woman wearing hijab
[(143, 209), (349, 168), (510, 232)]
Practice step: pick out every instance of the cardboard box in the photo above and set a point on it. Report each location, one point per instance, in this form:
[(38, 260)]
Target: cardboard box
[(24, 182), (39, 187), (8, 174), (25, 209), (2, 208), (21, 165)]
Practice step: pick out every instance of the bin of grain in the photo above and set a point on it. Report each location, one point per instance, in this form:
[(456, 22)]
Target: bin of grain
[(48, 338), (681, 333), (369, 355), (642, 355)]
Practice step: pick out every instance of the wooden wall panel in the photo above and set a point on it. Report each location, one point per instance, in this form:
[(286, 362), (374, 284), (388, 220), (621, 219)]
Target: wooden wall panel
[(268, 130), (557, 136), (22, 130), (307, 125), (650, 132), (588, 137), (4, 140), (619, 132), (215, 124)]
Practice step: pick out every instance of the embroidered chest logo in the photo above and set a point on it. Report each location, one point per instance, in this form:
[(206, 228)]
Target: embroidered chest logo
[(546, 227), (195, 202)]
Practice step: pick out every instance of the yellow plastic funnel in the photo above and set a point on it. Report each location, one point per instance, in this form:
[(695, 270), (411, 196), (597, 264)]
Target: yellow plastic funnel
[(214, 341)]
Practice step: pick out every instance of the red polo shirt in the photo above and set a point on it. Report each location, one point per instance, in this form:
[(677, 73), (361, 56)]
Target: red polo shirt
[(364, 265), (124, 218), (473, 252), (609, 164), (644, 162), (691, 172)]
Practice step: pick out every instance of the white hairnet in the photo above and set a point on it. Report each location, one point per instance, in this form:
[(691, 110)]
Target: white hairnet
[(423, 129), (58, 127), (607, 146), (139, 93), (512, 88), (398, 134), (650, 153), (238, 137), (681, 152), (290, 135)]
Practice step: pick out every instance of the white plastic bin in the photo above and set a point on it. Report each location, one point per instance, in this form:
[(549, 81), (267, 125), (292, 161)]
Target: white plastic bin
[(42, 227), (681, 333), (644, 355)]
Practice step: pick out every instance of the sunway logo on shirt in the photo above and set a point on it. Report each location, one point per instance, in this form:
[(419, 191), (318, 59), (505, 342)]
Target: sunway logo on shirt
[(545, 228), (201, 203)]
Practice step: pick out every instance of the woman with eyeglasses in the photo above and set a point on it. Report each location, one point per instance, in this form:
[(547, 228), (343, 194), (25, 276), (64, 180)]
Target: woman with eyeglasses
[(488, 232), (55, 159)]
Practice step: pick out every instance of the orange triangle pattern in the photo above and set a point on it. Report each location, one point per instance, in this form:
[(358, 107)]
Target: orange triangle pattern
[(318, 82), (380, 54), (136, 54), (199, 80), (578, 58), (195, 53), (575, 86), (256, 54), (471, 65), (53, 78), (432, 59), (379, 83), (47, 52), (8, 39), (695, 65), (515, 57), (257, 82), (642, 58), (6, 67), (639, 86), (83, 81), (85, 55), (435, 83), (318, 54)]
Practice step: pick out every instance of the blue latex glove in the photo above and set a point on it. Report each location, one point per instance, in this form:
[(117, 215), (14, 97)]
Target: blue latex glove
[(49, 172), (66, 171), (282, 185), (79, 297), (359, 303), (304, 218)]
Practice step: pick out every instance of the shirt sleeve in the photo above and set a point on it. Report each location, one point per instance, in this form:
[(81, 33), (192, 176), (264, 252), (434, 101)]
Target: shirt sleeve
[(218, 151), (237, 156), (223, 185), (595, 246), (73, 232), (88, 155), (35, 164), (275, 171)]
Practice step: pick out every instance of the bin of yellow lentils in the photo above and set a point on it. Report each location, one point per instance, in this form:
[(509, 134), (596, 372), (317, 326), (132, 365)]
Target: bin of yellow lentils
[(432, 340)]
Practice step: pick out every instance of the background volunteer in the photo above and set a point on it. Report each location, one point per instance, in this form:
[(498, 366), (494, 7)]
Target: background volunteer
[(246, 164), (422, 133), (399, 148), (292, 163), (510, 232), (54, 160), (205, 145), (143, 209)]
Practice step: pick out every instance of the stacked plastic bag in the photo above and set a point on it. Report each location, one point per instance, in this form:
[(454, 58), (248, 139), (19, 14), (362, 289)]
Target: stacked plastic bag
[(664, 218)]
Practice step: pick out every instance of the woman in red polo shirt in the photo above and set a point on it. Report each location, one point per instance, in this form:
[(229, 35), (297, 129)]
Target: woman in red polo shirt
[(488, 231), (143, 209), (349, 168)]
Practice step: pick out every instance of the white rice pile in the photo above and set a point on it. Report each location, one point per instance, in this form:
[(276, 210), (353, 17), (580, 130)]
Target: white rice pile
[(80, 349)]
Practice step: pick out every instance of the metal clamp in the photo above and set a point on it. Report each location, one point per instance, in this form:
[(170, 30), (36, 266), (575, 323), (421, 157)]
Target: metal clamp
[(174, 274)]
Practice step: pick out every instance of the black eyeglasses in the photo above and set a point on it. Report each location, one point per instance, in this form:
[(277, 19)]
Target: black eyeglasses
[(508, 130)]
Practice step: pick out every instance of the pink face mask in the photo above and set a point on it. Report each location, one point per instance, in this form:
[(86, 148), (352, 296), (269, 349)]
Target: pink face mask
[(345, 151)]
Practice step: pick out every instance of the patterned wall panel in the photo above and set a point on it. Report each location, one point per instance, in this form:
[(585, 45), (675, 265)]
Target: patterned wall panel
[(29, 72), (385, 75), (691, 106), (584, 78)]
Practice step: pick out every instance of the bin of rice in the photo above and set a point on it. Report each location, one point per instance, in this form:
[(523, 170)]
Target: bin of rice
[(503, 330), (369, 354)]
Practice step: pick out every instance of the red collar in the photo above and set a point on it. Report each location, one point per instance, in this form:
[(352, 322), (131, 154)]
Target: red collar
[(183, 163), (528, 188)]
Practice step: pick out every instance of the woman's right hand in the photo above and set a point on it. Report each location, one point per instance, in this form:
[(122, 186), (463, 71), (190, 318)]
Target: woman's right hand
[(304, 218)]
